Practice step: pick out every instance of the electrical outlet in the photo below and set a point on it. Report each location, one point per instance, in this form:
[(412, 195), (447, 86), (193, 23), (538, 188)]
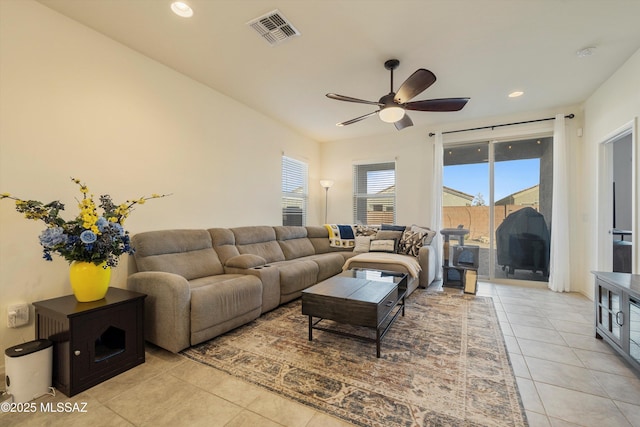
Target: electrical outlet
[(17, 315)]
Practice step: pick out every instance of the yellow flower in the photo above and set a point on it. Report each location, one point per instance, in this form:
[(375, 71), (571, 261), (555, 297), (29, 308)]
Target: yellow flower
[(3, 195), (141, 201)]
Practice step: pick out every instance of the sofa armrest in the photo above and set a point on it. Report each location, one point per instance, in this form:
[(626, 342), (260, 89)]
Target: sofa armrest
[(245, 261), (427, 261), (167, 308)]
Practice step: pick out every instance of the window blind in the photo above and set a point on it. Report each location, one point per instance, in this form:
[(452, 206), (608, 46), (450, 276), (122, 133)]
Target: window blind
[(294, 191), (374, 193)]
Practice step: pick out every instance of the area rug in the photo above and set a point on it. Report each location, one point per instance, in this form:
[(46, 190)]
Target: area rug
[(443, 364)]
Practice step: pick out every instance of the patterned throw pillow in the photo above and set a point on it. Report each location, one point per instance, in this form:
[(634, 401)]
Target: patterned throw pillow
[(411, 242), (428, 233), (386, 245), (366, 230)]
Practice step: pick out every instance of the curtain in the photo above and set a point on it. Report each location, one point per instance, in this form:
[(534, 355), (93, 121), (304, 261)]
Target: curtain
[(559, 271), (436, 205)]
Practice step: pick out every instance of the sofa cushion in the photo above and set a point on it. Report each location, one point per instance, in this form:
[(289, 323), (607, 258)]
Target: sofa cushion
[(224, 243), (218, 299), (294, 242), (319, 238), (296, 275), (188, 253), (258, 240), (328, 265)]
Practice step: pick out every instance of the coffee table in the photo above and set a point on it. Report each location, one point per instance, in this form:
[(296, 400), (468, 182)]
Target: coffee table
[(359, 297)]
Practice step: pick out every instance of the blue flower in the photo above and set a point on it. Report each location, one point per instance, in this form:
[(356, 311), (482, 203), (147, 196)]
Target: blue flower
[(88, 236), (52, 237), (102, 224), (118, 228)]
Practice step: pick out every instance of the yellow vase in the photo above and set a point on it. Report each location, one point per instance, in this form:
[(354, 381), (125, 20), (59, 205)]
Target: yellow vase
[(89, 282)]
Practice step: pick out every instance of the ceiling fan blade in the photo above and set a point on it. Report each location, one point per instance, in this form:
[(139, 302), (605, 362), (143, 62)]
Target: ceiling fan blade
[(357, 119), (404, 122), (350, 99), (414, 85), (444, 104)]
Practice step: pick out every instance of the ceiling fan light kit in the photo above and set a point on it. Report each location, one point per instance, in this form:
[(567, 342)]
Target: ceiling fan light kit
[(391, 114), (393, 106)]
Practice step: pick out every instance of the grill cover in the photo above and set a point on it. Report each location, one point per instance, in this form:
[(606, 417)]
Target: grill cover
[(522, 242)]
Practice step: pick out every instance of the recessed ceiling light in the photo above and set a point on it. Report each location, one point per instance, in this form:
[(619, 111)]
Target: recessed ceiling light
[(182, 9), (516, 94)]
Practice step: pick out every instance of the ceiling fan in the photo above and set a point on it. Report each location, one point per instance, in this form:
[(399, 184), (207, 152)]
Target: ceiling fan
[(393, 105)]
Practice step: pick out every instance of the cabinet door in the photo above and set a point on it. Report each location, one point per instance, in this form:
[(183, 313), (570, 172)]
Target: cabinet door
[(104, 344), (634, 329), (609, 315)]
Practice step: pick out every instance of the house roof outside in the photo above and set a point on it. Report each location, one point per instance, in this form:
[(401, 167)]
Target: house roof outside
[(528, 196)]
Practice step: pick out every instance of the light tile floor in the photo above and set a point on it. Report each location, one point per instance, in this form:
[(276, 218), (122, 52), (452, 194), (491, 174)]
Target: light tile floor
[(565, 375), (566, 378)]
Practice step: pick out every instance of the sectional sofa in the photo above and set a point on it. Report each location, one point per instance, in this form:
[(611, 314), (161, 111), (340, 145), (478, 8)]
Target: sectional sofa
[(203, 283)]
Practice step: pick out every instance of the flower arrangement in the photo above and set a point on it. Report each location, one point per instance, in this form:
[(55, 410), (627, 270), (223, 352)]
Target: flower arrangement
[(89, 237)]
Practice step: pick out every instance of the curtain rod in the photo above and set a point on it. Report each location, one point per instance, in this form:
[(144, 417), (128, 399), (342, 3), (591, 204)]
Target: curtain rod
[(569, 116)]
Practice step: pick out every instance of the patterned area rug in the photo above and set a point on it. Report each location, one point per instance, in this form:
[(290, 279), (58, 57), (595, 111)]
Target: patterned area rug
[(443, 364)]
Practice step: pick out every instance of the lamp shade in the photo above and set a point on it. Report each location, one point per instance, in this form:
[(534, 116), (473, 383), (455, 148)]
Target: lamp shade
[(391, 114), (326, 183)]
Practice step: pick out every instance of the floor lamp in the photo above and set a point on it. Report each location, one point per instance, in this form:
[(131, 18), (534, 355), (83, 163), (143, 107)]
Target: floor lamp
[(326, 184)]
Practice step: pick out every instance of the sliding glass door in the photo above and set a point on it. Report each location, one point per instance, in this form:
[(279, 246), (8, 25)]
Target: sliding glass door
[(465, 197), (501, 192)]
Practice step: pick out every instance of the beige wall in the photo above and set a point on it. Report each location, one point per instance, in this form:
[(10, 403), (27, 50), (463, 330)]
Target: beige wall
[(614, 105), (74, 103), (413, 155)]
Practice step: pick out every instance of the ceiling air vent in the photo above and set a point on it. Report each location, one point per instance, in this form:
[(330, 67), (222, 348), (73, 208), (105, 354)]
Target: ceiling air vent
[(274, 27)]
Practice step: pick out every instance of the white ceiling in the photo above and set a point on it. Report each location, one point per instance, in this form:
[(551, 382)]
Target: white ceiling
[(482, 49)]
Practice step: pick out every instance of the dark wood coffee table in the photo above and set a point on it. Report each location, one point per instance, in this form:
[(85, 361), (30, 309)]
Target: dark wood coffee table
[(358, 297)]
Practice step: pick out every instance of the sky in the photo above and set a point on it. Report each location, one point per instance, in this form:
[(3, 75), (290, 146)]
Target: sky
[(510, 177)]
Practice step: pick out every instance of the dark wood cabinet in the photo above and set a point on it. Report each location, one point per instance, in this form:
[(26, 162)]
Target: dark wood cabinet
[(617, 313), (92, 341)]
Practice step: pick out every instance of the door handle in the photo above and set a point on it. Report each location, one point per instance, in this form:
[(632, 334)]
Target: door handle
[(620, 315)]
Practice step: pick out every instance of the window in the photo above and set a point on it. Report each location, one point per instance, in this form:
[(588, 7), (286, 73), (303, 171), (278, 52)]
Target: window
[(294, 191), (374, 193)]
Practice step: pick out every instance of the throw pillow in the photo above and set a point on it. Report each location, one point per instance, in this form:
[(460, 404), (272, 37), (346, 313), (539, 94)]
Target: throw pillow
[(389, 234), (366, 230), (393, 227), (383, 245), (363, 243), (428, 233), (411, 242)]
